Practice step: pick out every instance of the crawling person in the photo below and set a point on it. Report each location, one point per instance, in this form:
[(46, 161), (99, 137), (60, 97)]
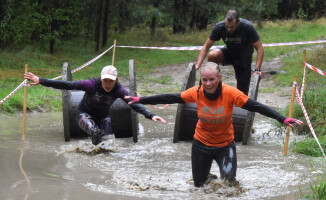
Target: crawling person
[(214, 133), (93, 113)]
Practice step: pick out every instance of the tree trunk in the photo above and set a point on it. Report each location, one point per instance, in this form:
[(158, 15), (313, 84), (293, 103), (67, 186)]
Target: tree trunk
[(53, 27), (2, 8), (98, 24), (179, 16), (123, 15), (52, 42), (260, 25), (154, 20), (105, 22), (89, 18), (193, 15), (202, 21), (153, 26)]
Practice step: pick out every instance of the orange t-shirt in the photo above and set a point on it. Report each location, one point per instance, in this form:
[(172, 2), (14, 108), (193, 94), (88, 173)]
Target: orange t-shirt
[(214, 127)]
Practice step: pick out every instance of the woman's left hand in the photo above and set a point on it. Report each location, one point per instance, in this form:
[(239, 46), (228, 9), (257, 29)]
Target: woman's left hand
[(288, 121), (157, 118)]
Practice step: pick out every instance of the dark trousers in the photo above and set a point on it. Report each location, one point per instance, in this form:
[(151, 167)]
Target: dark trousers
[(93, 125), (202, 157), (242, 68), (243, 75)]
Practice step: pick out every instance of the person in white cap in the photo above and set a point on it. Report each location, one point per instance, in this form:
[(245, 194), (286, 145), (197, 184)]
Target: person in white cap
[(93, 113)]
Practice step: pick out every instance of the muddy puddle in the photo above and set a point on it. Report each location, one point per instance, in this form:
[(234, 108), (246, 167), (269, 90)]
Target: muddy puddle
[(42, 165)]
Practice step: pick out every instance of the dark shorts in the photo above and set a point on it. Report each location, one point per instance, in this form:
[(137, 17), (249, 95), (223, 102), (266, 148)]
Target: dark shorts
[(202, 157), (242, 68)]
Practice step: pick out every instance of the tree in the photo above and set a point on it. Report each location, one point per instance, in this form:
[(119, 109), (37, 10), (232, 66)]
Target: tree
[(123, 15), (180, 16), (204, 10), (304, 9), (105, 22), (90, 10), (98, 24), (16, 24)]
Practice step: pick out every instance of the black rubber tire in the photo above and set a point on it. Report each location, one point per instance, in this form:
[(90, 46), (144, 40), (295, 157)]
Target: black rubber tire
[(239, 119), (75, 131)]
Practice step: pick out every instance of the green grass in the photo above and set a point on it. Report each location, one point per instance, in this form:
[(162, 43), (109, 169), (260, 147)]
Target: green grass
[(268, 90), (309, 146)]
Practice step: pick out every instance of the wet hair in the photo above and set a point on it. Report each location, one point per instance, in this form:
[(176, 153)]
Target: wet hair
[(210, 66), (231, 15)]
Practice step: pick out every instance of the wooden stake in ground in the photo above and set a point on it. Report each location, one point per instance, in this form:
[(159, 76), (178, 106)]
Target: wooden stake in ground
[(24, 107), (303, 72), (115, 42), (290, 115)]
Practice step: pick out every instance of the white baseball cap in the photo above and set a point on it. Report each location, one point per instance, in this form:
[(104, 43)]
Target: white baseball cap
[(109, 72)]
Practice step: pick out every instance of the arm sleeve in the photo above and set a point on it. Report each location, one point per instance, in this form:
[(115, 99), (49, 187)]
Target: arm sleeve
[(253, 35), (142, 110), (64, 85), (255, 106), (162, 99), (215, 34)]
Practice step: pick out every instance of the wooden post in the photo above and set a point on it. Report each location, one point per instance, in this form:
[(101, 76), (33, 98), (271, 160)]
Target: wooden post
[(24, 107), (133, 90), (115, 42), (304, 61), (290, 115), (66, 105)]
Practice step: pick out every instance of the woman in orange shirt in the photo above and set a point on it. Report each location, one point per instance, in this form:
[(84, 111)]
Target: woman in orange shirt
[(214, 134)]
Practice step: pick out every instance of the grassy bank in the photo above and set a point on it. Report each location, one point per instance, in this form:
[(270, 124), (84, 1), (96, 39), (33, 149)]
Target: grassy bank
[(47, 65)]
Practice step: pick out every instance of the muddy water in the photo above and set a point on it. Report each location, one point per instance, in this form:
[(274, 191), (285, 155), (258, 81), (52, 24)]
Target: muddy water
[(41, 165)]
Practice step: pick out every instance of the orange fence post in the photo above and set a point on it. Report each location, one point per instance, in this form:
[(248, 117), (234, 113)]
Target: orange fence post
[(290, 115), (115, 42), (24, 107)]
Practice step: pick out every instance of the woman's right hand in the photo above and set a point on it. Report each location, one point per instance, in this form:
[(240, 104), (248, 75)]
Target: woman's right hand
[(32, 77)]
